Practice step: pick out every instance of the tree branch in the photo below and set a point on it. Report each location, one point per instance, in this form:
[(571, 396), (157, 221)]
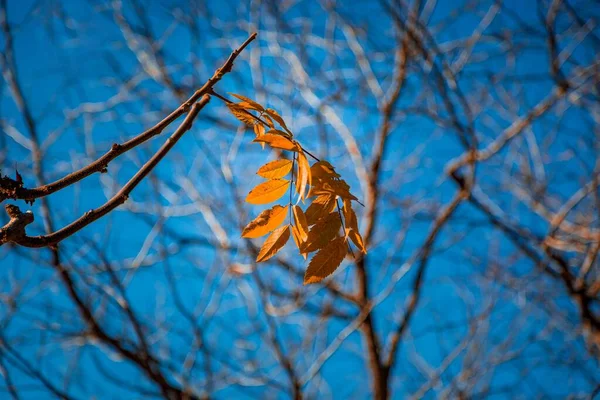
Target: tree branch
[(8, 233), (10, 188)]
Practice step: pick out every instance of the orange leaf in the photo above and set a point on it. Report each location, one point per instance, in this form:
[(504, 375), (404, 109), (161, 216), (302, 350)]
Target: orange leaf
[(241, 114), (357, 240), (275, 169), (320, 208), (322, 169), (278, 132), (273, 114), (304, 176), (334, 186), (326, 261), (259, 129), (299, 242), (268, 120), (268, 192), (249, 102), (323, 232), (276, 240), (300, 223), (278, 142), (266, 221), (349, 216)]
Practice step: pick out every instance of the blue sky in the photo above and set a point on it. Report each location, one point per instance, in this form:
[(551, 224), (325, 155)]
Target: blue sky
[(70, 72)]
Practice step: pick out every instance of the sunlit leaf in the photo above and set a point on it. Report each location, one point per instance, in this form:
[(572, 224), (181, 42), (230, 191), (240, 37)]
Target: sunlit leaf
[(275, 169), (349, 216), (278, 142), (259, 129), (323, 232), (322, 169), (241, 114), (249, 102), (352, 226), (268, 120), (326, 261), (266, 221), (300, 223), (279, 132), (304, 176), (298, 241), (357, 239), (273, 114), (320, 208), (276, 240), (333, 186), (268, 192)]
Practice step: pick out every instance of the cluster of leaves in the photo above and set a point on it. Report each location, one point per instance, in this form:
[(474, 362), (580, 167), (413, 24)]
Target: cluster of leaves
[(324, 227)]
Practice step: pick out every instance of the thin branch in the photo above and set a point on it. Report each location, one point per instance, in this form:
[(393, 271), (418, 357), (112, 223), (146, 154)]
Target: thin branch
[(13, 189), (118, 199)]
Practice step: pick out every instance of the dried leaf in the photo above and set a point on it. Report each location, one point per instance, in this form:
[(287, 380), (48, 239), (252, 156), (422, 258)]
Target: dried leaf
[(351, 222), (333, 186), (298, 241), (278, 132), (320, 208), (350, 216), (249, 102), (259, 129), (278, 142), (266, 221), (275, 169), (326, 261), (276, 240), (357, 239), (241, 114), (268, 120), (268, 192), (304, 176), (323, 232), (273, 114), (322, 169), (300, 223)]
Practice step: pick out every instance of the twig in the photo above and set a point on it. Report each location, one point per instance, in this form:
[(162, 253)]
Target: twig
[(121, 197), (11, 189)]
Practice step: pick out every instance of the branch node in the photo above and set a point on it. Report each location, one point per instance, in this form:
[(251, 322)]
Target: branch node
[(15, 228)]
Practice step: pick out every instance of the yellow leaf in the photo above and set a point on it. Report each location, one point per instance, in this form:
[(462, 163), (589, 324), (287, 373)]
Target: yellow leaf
[(268, 192), (304, 176), (273, 114), (320, 208), (265, 222), (298, 241), (278, 142), (322, 169), (241, 114), (300, 223), (275, 169), (323, 232), (357, 240), (326, 261), (276, 240), (249, 102)]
